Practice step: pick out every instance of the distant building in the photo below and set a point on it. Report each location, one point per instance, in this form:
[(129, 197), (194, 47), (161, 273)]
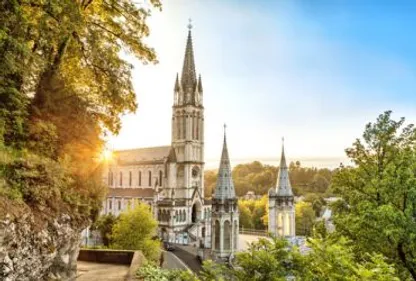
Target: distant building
[(250, 195), (225, 216), (281, 203), (169, 178)]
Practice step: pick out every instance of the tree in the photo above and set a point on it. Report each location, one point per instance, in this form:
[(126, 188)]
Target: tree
[(305, 218), (104, 225), (135, 229), (378, 206)]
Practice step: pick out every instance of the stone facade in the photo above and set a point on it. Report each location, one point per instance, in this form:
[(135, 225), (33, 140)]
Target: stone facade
[(169, 178), (281, 203)]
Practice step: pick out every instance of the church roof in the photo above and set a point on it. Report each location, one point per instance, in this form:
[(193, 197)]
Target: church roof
[(147, 154), (283, 187), (225, 186), (130, 192)]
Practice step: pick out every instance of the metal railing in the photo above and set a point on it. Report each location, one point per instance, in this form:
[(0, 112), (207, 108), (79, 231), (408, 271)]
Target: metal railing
[(257, 232)]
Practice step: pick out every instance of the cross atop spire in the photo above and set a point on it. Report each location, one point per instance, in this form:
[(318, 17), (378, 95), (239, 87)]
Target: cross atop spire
[(190, 24)]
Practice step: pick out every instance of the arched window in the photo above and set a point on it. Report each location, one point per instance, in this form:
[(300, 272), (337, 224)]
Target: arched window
[(119, 204), (150, 178), (227, 235), (110, 204), (217, 235), (160, 178), (130, 178), (184, 215), (184, 126), (121, 179), (140, 178)]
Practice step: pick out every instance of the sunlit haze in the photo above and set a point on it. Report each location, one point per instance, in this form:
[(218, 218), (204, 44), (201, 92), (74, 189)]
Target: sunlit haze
[(313, 73)]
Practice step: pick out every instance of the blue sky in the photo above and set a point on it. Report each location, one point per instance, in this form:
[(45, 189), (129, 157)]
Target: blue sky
[(314, 72)]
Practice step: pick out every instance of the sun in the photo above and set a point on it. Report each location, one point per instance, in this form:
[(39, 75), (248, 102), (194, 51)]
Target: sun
[(106, 155)]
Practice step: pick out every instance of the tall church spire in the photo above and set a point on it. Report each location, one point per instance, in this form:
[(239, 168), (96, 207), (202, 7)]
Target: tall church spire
[(283, 187), (225, 186), (188, 79)]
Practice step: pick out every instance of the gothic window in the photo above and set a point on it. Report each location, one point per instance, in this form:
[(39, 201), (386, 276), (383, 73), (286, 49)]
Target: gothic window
[(227, 235), (217, 235), (150, 178), (140, 178), (176, 216), (119, 204), (197, 128), (110, 204), (130, 178), (184, 126), (121, 179), (159, 217), (184, 215), (160, 178)]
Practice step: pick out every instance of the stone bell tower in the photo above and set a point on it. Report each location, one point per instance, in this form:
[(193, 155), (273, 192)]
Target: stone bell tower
[(281, 203), (224, 218), (188, 126)]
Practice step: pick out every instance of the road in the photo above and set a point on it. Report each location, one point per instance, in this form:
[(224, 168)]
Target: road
[(170, 261), (182, 257)]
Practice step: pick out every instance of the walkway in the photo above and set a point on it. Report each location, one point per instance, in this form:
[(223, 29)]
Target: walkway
[(188, 255), (91, 271)]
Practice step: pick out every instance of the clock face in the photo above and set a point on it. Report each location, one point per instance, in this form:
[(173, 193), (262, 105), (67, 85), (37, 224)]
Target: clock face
[(195, 172)]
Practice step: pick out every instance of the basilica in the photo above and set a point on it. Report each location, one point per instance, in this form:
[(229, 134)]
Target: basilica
[(169, 178)]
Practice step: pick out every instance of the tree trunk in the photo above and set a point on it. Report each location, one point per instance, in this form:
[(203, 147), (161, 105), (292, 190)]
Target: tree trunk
[(407, 265)]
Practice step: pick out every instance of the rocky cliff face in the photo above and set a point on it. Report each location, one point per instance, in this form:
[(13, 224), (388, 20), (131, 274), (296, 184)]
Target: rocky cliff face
[(37, 251)]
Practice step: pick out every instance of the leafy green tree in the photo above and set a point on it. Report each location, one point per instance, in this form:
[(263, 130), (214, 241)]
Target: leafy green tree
[(378, 205), (135, 229), (335, 260), (305, 218), (104, 224)]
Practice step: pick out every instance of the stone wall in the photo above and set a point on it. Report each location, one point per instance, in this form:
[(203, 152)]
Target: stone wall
[(30, 250)]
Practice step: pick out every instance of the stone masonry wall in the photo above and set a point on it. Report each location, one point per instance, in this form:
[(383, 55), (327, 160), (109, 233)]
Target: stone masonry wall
[(32, 252)]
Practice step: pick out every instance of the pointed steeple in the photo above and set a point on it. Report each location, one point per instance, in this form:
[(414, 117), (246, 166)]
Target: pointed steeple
[(200, 84), (225, 186), (177, 87), (188, 78), (283, 187)]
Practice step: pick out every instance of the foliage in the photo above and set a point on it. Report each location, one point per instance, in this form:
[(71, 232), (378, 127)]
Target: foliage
[(259, 178), (317, 201), (104, 224), (134, 230), (305, 218), (377, 210), (63, 85), (150, 272), (48, 186), (253, 213)]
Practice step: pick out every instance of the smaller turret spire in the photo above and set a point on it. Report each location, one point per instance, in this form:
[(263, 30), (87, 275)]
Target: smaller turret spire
[(177, 87), (200, 84), (283, 187), (225, 186)]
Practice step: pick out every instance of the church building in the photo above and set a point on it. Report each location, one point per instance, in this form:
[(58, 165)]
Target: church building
[(281, 203), (225, 216), (169, 178)]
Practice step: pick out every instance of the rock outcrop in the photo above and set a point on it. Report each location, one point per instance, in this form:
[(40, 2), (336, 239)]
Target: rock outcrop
[(37, 249)]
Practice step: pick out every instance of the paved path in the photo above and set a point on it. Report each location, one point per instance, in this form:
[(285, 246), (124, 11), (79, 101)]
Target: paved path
[(188, 255), (170, 261), (91, 271)]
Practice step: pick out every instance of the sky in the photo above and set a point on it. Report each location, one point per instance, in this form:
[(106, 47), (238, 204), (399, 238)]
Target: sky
[(313, 72)]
